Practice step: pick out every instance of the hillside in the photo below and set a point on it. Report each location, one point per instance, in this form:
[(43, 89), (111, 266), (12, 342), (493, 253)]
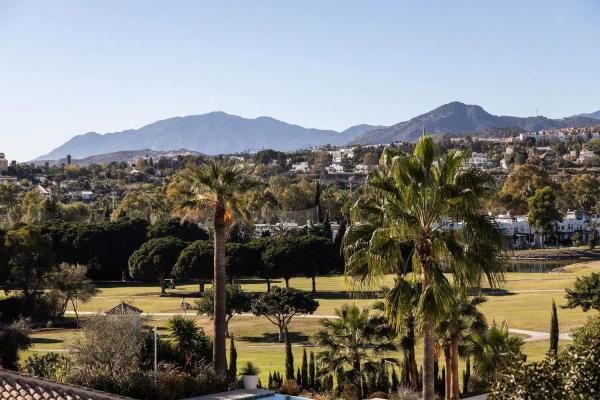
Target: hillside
[(212, 133), (460, 118)]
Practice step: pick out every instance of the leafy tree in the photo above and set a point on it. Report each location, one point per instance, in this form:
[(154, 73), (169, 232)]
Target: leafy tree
[(522, 183), (280, 305), (237, 302), (583, 191), (543, 213), (134, 205), (108, 345), (353, 339), (554, 332), (71, 284), (13, 339), (196, 260), (155, 259), (184, 230), (30, 260), (585, 293), (409, 202), (214, 189)]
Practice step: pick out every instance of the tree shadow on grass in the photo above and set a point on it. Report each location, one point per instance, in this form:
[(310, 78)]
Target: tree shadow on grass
[(39, 340), (345, 295), (273, 337), (496, 292)]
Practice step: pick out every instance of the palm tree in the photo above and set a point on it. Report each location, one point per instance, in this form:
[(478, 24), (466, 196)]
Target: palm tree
[(213, 190), (404, 297), (354, 338), (493, 350), (462, 320), (425, 201)]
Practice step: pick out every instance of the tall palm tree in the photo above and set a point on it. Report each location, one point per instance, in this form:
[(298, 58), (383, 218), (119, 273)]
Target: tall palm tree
[(354, 339), (425, 201), (462, 321), (213, 190)]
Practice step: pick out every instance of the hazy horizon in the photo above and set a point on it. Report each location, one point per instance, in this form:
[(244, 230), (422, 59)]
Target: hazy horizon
[(70, 68)]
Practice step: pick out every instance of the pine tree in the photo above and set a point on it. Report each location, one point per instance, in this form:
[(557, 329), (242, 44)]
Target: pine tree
[(311, 371), (289, 357), (232, 372), (304, 382), (554, 332), (467, 375)]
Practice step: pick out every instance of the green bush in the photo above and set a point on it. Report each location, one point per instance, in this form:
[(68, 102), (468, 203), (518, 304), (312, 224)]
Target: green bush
[(51, 366)]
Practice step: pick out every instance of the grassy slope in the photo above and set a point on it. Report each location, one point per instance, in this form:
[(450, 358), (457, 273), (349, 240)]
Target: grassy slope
[(525, 305)]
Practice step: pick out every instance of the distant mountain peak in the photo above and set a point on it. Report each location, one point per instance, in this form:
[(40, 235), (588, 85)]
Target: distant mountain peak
[(212, 133), (460, 118)]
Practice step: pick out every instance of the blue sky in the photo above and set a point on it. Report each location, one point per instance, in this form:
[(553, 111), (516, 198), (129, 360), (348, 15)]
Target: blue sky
[(69, 67)]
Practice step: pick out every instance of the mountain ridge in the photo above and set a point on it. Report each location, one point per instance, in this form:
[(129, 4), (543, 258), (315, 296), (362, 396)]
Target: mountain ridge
[(212, 133), (461, 118), (218, 132)]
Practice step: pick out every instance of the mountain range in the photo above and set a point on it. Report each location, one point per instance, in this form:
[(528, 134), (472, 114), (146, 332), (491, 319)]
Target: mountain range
[(212, 133), (222, 133), (459, 118)]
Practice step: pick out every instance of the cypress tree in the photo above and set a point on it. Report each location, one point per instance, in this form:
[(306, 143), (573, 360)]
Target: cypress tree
[(311, 371), (289, 357), (305, 379), (270, 384), (298, 376), (554, 329), (232, 372)]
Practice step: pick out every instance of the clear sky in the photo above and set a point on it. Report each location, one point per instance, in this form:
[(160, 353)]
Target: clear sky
[(69, 67)]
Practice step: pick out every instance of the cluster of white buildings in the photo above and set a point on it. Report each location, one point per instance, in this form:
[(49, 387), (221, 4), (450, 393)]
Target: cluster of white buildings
[(521, 234)]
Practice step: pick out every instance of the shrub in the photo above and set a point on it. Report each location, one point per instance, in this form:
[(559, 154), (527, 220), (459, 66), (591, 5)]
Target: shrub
[(378, 395), (351, 392), (250, 369), (290, 388), (51, 366)]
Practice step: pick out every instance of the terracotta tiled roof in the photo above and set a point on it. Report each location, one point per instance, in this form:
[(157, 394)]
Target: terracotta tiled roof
[(15, 386), (124, 308)]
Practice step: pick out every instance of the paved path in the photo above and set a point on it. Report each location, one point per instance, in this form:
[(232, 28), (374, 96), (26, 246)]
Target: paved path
[(532, 336)]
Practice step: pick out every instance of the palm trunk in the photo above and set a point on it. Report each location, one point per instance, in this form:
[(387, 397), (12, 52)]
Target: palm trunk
[(454, 360), (220, 278), (428, 342), (448, 380), (413, 372)]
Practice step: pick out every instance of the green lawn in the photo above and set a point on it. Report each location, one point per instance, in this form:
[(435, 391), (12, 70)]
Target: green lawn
[(524, 302)]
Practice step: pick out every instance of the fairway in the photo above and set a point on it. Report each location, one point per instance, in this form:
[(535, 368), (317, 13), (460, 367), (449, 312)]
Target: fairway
[(524, 301)]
